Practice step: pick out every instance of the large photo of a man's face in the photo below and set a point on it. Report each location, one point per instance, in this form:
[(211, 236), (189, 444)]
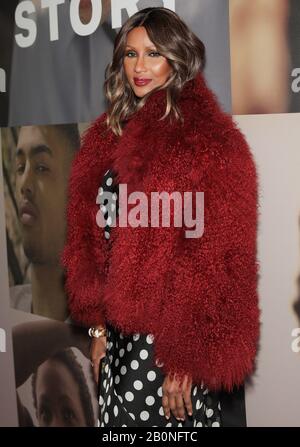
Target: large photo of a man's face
[(42, 161), (36, 163)]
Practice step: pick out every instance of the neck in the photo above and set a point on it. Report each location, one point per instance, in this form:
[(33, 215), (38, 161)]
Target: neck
[(48, 296)]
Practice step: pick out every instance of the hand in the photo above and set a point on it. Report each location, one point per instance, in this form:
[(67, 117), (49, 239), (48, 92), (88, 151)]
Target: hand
[(97, 352), (175, 397)]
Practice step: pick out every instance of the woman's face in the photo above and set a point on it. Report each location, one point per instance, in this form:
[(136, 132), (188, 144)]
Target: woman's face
[(143, 62)]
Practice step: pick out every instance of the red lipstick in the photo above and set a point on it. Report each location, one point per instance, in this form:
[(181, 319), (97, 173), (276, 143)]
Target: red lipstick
[(141, 81)]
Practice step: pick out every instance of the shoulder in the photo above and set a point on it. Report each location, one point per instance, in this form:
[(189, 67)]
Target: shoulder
[(209, 151)]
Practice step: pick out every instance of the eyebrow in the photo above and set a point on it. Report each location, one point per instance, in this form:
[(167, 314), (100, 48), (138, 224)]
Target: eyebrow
[(35, 150), (131, 46)]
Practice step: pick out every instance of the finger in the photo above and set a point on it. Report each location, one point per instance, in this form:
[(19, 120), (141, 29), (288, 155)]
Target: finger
[(180, 409), (188, 400), (172, 404), (165, 405)]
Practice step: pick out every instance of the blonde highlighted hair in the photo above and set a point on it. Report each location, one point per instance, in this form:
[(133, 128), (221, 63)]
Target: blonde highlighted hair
[(173, 39)]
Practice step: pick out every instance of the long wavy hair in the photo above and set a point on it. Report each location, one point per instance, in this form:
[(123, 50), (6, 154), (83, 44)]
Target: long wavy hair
[(184, 51)]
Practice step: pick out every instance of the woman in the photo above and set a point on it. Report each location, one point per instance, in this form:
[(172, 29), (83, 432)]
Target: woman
[(180, 311)]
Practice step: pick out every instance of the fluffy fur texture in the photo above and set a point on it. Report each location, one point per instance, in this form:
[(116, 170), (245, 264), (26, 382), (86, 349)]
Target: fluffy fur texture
[(197, 296)]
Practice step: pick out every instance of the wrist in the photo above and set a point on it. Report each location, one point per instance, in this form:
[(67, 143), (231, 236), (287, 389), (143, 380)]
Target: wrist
[(97, 331), (99, 326)]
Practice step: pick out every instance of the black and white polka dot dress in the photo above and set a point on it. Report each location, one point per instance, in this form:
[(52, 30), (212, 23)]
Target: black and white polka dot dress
[(130, 382)]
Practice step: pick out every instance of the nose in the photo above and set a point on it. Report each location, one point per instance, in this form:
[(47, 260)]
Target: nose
[(140, 64), (26, 182)]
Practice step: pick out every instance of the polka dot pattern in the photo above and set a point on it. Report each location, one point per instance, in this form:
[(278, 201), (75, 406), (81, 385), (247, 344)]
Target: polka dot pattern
[(151, 375), (144, 415), (138, 385), (133, 393), (108, 201), (134, 364), (150, 400), (129, 396), (131, 379)]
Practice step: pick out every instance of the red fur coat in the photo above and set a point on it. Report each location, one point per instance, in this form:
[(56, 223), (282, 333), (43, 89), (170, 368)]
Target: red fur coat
[(197, 296)]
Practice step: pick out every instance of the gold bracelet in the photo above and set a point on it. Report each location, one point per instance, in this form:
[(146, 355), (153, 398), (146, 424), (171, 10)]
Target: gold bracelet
[(95, 332)]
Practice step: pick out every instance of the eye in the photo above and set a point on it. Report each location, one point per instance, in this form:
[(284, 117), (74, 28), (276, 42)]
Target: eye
[(42, 168), (20, 168), (68, 415), (45, 415), (155, 53), (128, 53)]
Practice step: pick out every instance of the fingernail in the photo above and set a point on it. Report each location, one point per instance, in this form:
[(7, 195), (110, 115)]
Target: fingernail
[(168, 417), (190, 413)]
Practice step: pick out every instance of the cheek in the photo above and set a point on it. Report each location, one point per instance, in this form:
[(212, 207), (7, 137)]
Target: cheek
[(52, 200), (161, 69), (17, 187), (127, 65)]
